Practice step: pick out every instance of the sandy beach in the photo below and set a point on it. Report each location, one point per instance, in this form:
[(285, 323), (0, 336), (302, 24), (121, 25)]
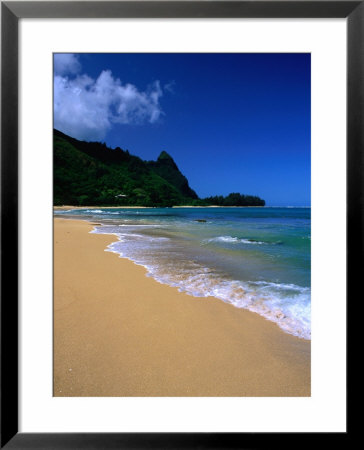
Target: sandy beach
[(66, 207), (120, 333)]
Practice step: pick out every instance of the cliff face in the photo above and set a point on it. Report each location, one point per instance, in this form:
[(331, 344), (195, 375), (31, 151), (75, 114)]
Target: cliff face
[(166, 168)]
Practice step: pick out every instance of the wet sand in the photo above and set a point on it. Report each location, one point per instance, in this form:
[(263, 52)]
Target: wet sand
[(120, 333)]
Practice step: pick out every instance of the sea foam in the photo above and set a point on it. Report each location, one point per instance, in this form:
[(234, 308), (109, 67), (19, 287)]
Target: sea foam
[(230, 239), (288, 305)]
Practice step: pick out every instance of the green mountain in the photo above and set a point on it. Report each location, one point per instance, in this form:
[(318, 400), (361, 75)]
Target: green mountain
[(90, 173), (166, 168)]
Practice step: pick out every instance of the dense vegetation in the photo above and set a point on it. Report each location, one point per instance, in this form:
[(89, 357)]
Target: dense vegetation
[(90, 173), (166, 168), (234, 199)]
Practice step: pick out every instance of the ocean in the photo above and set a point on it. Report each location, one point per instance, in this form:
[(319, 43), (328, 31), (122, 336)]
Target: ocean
[(253, 258)]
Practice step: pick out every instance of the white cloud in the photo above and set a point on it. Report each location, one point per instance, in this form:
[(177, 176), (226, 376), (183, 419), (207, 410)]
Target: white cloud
[(66, 63), (170, 86), (87, 108)]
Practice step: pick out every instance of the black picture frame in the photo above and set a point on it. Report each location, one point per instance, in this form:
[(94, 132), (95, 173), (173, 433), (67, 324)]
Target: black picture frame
[(11, 12)]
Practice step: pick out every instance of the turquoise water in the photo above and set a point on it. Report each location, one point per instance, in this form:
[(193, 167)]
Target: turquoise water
[(253, 258)]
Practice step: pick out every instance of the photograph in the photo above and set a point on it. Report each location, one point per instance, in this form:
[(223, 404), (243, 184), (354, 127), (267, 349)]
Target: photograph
[(180, 181), (182, 224)]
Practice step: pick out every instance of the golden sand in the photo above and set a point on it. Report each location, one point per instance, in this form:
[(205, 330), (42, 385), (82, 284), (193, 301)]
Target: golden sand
[(120, 333)]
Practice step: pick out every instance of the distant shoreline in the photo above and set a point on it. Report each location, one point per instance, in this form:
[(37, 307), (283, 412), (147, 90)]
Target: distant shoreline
[(65, 207)]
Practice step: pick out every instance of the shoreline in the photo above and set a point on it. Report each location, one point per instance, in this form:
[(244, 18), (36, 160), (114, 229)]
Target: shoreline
[(66, 207), (118, 332)]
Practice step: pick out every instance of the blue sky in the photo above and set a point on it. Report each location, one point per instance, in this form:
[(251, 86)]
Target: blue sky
[(232, 122)]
